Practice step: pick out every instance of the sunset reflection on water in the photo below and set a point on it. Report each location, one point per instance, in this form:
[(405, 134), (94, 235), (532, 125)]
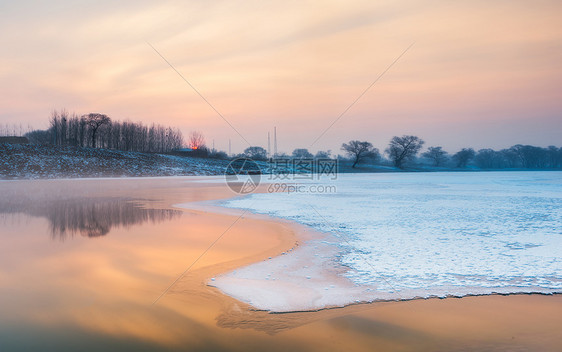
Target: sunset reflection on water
[(124, 244)]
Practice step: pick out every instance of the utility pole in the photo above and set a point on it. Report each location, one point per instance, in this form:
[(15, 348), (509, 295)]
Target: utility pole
[(268, 145), (274, 141), (229, 148)]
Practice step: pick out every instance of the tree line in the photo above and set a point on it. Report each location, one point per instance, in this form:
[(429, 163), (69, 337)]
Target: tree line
[(13, 130), (97, 130), (260, 153), (403, 151)]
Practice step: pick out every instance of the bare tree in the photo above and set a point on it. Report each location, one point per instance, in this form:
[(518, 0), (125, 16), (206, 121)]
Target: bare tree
[(359, 151), (95, 120), (84, 131), (463, 156), (510, 157), (38, 137), (63, 127), (321, 154), (403, 149), (531, 157), (196, 140), (436, 154), (490, 159), (302, 153), (256, 153), (554, 156)]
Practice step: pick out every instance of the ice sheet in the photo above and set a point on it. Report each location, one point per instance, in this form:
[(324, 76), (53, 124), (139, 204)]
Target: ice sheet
[(401, 236)]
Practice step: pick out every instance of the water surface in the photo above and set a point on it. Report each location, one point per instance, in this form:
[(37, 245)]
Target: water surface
[(81, 262)]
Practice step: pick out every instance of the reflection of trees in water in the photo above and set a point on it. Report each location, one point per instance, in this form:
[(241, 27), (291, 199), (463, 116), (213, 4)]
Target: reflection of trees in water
[(90, 217), (96, 217)]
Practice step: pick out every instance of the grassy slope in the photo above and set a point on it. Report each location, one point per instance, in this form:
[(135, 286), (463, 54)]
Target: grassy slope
[(35, 161)]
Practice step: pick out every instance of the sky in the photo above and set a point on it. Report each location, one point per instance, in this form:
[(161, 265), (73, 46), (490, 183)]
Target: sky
[(479, 74)]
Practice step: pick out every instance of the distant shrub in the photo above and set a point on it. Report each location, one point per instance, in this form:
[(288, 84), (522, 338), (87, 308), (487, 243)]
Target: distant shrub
[(218, 154), (202, 152)]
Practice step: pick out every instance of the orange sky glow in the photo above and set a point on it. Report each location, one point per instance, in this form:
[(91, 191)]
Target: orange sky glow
[(481, 73)]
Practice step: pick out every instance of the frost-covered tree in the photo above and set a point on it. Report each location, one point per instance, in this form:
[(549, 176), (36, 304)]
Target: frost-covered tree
[(256, 153), (554, 157), (463, 156), (531, 157), (323, 154), (302, 153), (437, 155), (489, 159), (359, 151), (403, 149)]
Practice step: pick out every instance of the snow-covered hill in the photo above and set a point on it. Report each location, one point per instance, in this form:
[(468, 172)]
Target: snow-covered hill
[(36, 161)]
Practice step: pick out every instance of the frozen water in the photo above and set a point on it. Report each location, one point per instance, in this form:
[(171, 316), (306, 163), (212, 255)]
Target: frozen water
[(406, 235)]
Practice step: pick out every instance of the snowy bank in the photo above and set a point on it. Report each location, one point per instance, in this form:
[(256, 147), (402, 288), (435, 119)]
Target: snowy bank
[(38, 161)]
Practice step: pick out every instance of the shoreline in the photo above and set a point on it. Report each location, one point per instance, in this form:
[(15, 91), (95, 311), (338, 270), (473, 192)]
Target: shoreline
[(181, 190), (478, 322), (195, 314), (272, 284), (298, 243), (517, 320)]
